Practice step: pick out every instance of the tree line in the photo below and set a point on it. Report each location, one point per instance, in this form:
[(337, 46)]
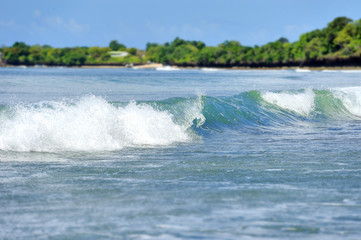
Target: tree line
[(22, 54), (339, 43)]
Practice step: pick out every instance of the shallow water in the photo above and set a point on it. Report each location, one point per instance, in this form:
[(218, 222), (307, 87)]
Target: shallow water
[(188, 154)]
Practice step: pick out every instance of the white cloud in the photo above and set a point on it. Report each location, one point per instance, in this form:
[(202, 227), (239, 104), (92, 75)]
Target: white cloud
[(8, 24), (54, 21), (70, 25), (36, 13), (75, 27)]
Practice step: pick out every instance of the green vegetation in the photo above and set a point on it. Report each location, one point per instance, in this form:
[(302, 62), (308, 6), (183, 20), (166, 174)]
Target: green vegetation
[(22, 54), (115, 46), (337, 44)]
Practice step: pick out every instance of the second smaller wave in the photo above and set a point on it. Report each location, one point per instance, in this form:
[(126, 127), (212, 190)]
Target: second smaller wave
[(299, 102)]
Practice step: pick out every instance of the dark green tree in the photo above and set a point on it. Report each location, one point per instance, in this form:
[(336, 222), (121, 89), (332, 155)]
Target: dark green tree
[(283, 40), (115, 46)]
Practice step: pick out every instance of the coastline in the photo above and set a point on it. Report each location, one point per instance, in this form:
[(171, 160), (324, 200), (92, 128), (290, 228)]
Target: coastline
[(159, 65)]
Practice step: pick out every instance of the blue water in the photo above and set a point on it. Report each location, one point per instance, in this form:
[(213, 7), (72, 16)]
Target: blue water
[(187, 154)]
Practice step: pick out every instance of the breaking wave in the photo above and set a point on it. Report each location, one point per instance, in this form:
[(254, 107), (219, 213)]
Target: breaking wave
[(90, 124), (93, 124)]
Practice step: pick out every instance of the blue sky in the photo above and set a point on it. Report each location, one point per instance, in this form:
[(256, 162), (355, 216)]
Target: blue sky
[(64, 23)]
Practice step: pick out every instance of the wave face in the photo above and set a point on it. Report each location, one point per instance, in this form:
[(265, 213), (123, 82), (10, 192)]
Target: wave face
[(94, 124), (256, 109)]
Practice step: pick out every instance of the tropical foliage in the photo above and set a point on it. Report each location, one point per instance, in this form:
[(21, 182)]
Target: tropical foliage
[(341, 39), (339, 42), (22, 54)]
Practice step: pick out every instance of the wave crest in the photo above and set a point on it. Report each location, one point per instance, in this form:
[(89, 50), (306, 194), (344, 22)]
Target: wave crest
[(90, 124), (299, 102)]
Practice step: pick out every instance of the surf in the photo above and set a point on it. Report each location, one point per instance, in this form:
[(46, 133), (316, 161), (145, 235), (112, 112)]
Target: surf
[(91, 123), (88, 124)]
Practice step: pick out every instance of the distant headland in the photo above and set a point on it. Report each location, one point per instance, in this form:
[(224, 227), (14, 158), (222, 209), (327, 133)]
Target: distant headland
[(336, 45)]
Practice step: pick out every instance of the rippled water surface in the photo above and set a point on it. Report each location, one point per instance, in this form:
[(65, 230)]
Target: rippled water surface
[(187, 154)]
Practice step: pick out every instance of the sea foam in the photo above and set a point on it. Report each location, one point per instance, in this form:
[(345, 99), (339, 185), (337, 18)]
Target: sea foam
[(302, 70), (167, 68), (299, 102), (89, 124), (351, 99), (351, 71), (209, 69)]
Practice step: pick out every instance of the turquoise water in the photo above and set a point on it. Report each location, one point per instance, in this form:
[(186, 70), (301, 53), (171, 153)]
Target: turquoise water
[(187, 154)]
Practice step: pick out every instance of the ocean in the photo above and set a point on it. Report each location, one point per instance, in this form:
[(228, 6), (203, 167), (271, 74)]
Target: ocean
[(180, 154)]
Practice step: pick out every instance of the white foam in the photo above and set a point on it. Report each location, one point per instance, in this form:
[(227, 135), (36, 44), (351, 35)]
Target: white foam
[(302, 70), (330, 71), (301, 103), (342, 71), (190, 111), (210, 69), (90, 124), (351, 99), (167, 68), (351, 71)]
